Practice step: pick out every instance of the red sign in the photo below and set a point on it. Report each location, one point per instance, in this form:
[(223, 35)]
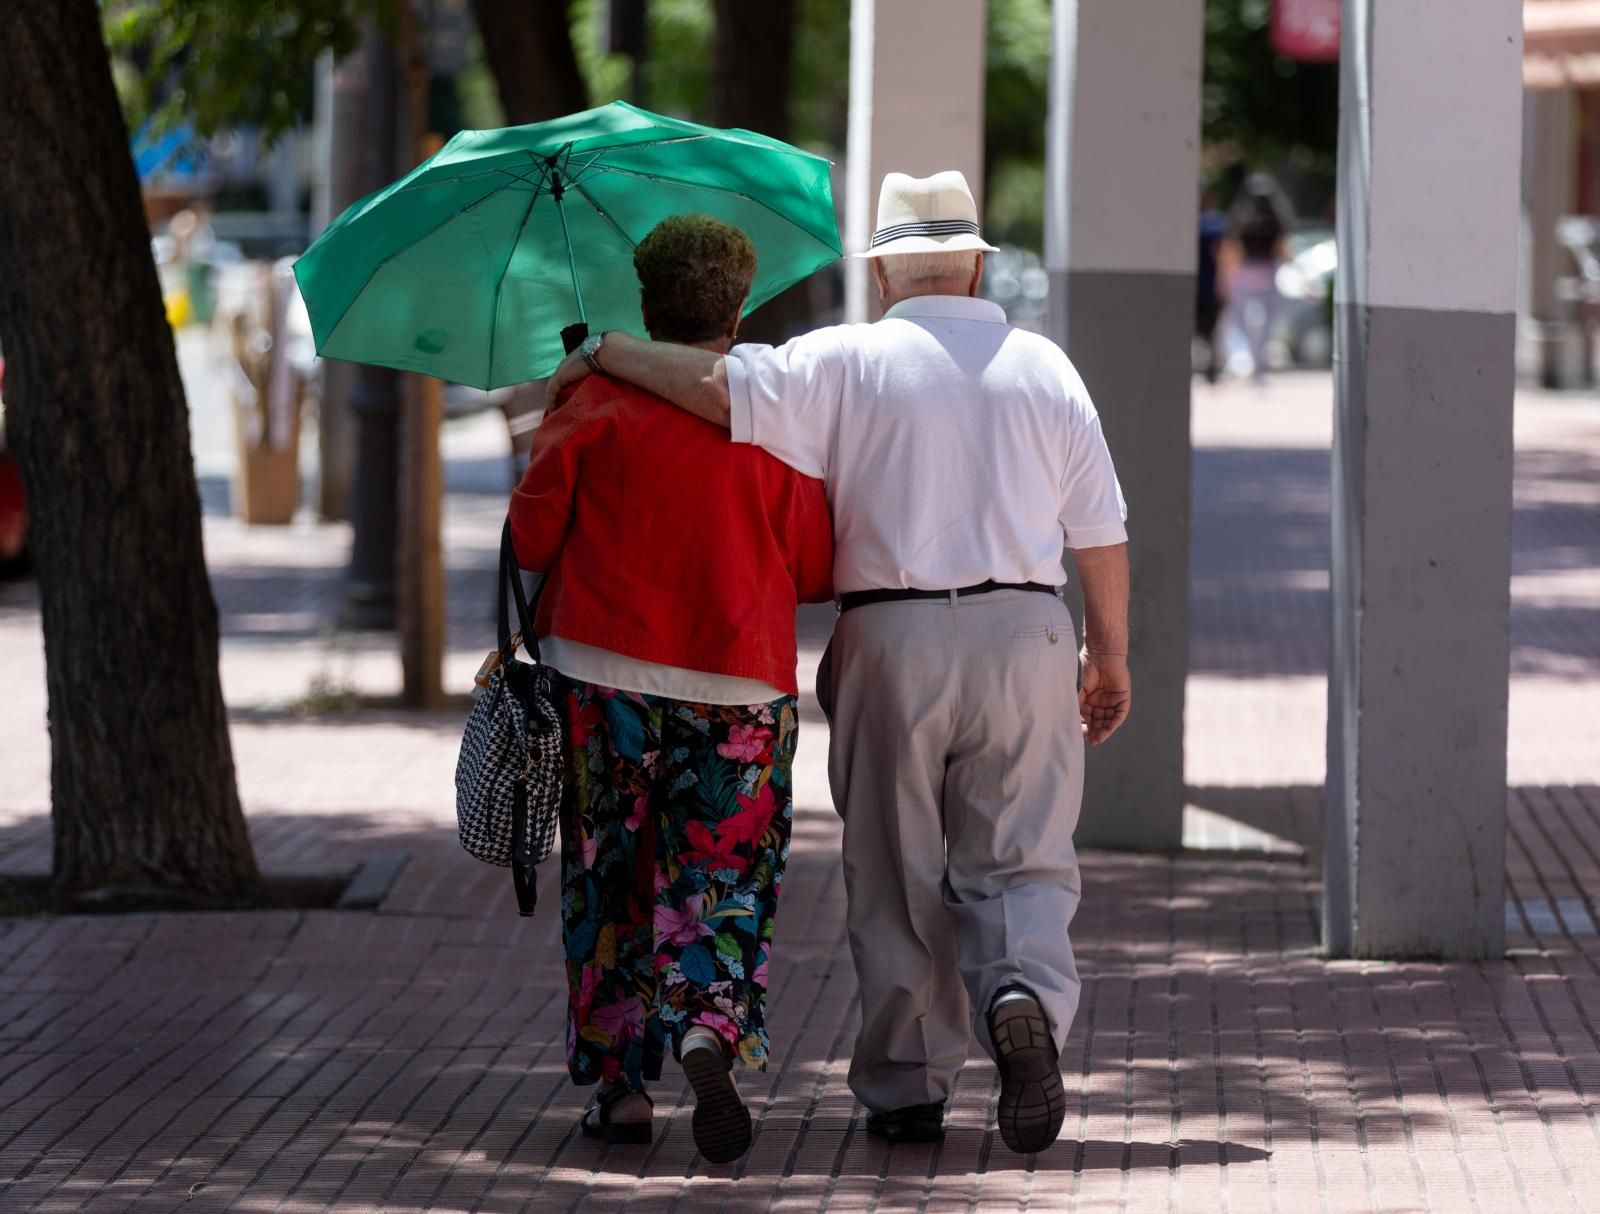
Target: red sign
[(1307, 30)]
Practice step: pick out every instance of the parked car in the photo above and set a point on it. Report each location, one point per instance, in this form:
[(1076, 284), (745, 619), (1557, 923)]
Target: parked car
[(13, 508)]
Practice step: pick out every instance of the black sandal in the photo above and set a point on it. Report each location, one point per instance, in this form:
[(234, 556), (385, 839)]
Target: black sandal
[(625, 1133), (722, 1130)]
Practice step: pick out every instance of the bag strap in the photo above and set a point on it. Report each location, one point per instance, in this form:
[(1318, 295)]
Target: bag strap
[(511, 573), (524, 880)]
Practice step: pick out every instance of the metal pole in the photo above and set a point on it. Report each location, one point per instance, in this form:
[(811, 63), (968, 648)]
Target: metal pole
[(557, 191), (375, 395), (858, 161), (1058, 162)]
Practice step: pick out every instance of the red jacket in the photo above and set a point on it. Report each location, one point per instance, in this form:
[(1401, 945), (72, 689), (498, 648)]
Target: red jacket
[(666, 542)]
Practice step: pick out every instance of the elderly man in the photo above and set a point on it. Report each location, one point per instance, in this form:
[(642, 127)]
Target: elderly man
[(959, 455)]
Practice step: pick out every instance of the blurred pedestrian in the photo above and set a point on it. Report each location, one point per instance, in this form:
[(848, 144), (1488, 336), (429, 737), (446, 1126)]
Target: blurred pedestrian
[(673, 562), (1260, 224), (1209, 299)]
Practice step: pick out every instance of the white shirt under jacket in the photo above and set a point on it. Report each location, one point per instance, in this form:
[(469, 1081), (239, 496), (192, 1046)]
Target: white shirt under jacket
[(955, 448)]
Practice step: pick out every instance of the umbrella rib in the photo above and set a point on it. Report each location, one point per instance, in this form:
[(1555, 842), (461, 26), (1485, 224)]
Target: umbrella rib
[(647, 143), (726, 136), (494, 309), (602, 212), (588, 164), (595, 154), (423, 185)]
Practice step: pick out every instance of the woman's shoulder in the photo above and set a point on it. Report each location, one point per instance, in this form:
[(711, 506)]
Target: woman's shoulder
[(591, 405), (597, 394)]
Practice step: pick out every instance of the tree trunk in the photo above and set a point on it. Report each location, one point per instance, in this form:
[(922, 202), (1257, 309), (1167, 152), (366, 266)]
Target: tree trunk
[(753, 65), (143, 799), (528, 44), (752, 72)]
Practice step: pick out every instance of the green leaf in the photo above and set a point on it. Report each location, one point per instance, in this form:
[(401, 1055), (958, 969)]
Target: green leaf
[(224, 63)]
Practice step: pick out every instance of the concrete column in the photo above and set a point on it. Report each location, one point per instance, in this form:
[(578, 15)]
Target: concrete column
[(916, 106), (1122, 180), (1430, 142)]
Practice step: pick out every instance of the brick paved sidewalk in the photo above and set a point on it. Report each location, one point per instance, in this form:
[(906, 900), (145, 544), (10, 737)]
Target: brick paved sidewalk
[(410, 1058)]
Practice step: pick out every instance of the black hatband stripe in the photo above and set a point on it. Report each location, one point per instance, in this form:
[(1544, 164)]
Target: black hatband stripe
[(925, 227)]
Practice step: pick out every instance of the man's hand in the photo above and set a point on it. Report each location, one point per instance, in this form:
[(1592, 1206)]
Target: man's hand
[(572, 372), (690, 377), (1106, 696)]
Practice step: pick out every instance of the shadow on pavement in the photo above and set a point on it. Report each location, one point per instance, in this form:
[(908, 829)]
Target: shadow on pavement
[(1258, 593)]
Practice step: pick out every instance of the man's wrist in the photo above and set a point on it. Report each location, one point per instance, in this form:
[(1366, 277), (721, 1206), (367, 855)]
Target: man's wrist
[(589, 351), (1093, 652)]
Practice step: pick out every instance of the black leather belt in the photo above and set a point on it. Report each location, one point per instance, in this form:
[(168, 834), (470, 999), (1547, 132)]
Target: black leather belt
[(861, 598)]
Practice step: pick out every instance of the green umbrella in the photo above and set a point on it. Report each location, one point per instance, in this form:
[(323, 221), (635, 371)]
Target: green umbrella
[(469, 266)]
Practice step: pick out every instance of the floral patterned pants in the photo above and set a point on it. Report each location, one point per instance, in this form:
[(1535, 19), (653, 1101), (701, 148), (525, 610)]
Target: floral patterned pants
[(674, 834)]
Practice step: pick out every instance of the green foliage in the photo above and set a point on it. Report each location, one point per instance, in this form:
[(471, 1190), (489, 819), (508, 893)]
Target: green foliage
[(1257, 109), (1260, 108), (606, 74), (1016, 100), (478, 95), (1017, 85), (677, 74), (677, 69), (819, 111), (220, 63), (1014, 212)]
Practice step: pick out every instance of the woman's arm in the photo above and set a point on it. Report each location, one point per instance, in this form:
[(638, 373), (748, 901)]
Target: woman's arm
[(810, 540), (1228, 258), (541, 506)]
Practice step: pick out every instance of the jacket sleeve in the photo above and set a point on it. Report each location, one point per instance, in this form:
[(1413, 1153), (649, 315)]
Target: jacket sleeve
[(541, 506), (810, 539)]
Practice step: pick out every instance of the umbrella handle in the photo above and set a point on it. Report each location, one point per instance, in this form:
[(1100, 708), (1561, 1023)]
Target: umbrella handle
[(572, 336)]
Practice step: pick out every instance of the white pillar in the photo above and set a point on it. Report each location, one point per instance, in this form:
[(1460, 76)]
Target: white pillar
[(916, 106), (1122, 181), (1430, 145)]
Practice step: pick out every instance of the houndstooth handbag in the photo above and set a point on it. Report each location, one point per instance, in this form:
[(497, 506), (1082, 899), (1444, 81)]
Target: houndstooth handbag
[(509, 775)]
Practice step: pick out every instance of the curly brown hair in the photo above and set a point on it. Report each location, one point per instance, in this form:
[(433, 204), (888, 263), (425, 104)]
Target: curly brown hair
[(694, 273)]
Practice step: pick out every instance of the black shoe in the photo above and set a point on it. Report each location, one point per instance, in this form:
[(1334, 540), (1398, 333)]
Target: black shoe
[(913, 1123), (1033, 1101), (722, 1129)]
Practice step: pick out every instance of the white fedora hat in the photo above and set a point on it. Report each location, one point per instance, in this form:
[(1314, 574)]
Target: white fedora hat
[(926, 215)]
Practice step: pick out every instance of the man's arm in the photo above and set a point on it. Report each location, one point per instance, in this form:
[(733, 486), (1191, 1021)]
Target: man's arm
[(695, 380), (1107, 686)]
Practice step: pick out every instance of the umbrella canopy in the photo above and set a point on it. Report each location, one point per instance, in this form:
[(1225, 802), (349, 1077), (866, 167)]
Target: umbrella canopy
[(469, 266)]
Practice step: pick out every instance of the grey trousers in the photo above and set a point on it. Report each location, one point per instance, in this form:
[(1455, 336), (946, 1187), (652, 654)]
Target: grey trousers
[(956, 762)]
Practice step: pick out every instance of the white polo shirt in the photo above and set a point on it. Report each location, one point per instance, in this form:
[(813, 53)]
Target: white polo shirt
[(955, 448)]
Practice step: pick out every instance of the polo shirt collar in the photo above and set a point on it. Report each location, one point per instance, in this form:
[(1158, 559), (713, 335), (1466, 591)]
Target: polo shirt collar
[(947, 307)]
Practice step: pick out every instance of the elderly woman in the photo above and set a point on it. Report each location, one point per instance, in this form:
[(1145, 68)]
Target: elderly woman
[(674, 561)]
